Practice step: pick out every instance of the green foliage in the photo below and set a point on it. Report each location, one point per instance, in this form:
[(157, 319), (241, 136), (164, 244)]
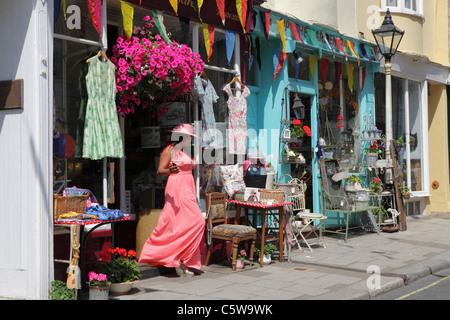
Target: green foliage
[(353, 179), (120, 267), (404, 189), (59, 291), (297, 131)]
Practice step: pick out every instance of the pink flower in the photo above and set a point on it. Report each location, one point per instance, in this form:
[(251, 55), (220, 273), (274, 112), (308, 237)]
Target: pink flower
[(92, 275), (101, 277)]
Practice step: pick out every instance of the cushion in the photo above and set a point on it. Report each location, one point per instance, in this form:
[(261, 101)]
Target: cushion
[(232, 178), (232, 230), (217, 211)]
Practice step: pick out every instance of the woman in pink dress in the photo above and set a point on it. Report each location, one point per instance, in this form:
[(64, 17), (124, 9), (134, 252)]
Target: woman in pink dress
[(175, 242)]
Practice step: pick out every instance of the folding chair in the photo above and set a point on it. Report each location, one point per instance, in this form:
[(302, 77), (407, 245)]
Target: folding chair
[(310, 219)]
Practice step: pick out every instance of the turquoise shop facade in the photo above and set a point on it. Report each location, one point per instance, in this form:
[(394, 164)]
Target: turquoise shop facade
[(266, 103)]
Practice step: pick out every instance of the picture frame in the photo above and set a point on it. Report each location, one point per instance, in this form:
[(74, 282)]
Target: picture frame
[(150, 137)]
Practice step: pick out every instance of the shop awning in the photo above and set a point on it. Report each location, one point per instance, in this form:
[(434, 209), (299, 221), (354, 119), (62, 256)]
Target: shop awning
[(209, 11)]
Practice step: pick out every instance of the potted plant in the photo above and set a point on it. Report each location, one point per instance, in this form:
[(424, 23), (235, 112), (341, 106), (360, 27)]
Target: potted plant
[(98, 286), (297, 131), (353, 183), (405, 191), (240, 259), (269, 249), (376, 186), (120, 266), (151, 71), (401, 144), (379, 212), (60, 291)]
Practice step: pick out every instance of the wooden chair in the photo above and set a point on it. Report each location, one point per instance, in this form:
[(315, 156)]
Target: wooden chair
[(217, 227)]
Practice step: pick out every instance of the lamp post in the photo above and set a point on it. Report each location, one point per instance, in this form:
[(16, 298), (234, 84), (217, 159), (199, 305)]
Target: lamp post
[(388, 38)]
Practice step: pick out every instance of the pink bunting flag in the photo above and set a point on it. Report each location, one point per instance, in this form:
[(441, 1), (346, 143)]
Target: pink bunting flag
[(95, 11)]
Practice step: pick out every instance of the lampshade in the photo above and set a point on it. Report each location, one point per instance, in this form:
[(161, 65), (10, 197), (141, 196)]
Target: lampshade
[(340, 122), (388, 37)]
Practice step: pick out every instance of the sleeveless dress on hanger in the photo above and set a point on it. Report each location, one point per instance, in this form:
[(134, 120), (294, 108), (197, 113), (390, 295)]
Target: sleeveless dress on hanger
[(237, 127), (102, 136), (180, 229)]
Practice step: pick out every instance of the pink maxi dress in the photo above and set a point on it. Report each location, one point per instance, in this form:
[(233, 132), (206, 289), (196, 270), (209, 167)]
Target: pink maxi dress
[(180, 229)]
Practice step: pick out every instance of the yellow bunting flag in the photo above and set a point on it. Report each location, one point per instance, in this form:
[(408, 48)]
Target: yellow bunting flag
[(174, 4), (241, 8), (208, 35), (350, 76), (280, 24), (312, 65), (352, 49), (64, 9), (127, 14)]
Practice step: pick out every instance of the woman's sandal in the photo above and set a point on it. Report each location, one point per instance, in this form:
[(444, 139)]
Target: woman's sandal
[(183, 271)]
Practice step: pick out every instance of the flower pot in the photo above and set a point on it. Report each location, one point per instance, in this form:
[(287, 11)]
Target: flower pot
[(121, 288), (406, 196), (371, 159), (267, 259), (239, 264), (99, 293)]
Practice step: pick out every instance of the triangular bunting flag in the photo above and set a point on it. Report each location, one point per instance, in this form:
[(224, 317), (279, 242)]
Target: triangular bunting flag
[(221, 6), (278, 60), (184, 26), (280, 24), (295, 31), (339, 43), (363, 71), (312, 35), (230, 38), (324, 67), (174, 4), (325, 37), (127, 17), (312, 65), (265, 20), (350, 76), (258, 52), (352, 49), (365, 55), (241, 7), (208, 35), (95, 11), (159, 22), (64, 9)]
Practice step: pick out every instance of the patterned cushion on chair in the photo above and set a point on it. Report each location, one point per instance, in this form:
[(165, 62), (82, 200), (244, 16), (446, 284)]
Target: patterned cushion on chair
[(231, 230), (217, 211)]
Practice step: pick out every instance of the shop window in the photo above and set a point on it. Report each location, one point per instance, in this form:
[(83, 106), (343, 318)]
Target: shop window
[(339, 100), (298, 70), (413, 7), (407, 123)]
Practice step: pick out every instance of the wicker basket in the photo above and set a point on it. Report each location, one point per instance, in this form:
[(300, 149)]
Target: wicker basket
[(291, 188), (64, 204), (271, 194)]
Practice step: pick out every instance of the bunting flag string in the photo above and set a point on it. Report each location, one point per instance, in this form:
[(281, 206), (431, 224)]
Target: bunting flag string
[(339, 43), (312, 65), (230, 39), (278, 60), (127, 17), (159, 22), (174, 4), (352, 49), (296, 33), (350, 76), (324, 67), (280, 24), (208, 35), (265, 20), (95, 11), (241, 7), (221, 6)]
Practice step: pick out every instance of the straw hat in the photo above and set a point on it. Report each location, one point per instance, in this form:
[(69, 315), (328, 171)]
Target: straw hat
[(184, 128)]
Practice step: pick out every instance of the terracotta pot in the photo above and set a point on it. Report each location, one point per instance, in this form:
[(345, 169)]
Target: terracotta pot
[(406, 196)]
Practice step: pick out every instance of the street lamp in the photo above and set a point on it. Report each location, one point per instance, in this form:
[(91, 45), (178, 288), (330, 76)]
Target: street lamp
[(388, 38)]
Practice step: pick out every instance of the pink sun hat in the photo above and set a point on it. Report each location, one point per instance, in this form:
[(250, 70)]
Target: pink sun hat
[(184, 128)]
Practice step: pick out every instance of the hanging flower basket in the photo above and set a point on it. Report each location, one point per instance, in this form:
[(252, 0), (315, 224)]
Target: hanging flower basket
[(150, 71)]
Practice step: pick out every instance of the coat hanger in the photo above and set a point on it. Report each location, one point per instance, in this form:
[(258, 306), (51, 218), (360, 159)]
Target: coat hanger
[(101, 53), (239, 81), (203, 74)]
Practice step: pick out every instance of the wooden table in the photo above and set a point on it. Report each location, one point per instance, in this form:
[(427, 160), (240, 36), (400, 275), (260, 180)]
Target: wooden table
[(265, 210)]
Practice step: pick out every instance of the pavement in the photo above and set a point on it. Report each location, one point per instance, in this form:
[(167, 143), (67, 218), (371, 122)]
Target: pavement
[(365, 266)]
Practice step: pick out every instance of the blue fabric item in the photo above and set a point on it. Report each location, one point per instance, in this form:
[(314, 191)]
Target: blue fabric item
[(104, 213)]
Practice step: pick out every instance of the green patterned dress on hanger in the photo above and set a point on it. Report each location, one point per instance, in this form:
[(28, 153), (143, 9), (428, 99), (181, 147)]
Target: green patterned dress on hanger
[(102, 136)]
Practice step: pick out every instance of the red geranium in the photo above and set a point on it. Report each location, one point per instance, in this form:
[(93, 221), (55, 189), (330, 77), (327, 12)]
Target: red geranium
[(307, 131), (297, 122)]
